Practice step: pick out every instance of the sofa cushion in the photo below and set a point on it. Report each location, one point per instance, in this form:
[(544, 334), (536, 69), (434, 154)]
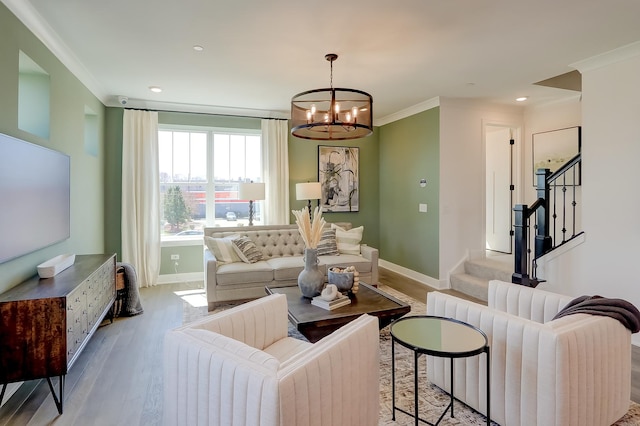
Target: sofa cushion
[(288, 268), (222, 248), (284, 349), (328, 244), (361, 264), (246, 250), (244, 273), (348, 241)]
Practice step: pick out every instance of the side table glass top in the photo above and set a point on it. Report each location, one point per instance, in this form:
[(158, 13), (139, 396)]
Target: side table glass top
[(438, 336)]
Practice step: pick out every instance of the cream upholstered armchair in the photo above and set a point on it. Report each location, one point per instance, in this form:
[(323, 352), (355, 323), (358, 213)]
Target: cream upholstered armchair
[(572, 371), (238, 367)]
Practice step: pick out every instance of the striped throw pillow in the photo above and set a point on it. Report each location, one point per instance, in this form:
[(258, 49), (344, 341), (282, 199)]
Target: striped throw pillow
[(222, 248), (348, 241), (247, 250), (328, 246)]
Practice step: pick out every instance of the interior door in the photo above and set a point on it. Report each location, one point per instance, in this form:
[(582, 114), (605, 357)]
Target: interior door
[(499, 188)]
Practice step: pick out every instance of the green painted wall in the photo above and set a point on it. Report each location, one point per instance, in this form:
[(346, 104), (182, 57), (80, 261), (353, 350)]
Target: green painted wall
[(68, 100), (409, 151), (191, 259), (303, 167)]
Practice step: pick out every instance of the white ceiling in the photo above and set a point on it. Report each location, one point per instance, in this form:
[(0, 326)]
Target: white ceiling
[(258, 54)]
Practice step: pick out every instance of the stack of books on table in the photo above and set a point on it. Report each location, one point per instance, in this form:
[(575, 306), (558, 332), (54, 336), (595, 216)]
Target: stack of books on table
[(330, 305)]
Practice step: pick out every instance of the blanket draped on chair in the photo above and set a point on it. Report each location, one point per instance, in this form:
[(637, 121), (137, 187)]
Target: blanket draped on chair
[(131, 305), (618, 309)]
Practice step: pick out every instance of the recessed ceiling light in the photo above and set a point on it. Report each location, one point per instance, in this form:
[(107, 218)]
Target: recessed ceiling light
[(198, 48), (155, 89), (522, 99)]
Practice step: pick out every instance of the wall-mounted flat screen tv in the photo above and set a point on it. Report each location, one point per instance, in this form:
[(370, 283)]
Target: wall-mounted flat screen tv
[(34, 197)]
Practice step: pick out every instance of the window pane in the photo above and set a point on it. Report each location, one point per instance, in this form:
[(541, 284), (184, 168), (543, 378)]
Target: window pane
[(165, 155), (198, 157), (221, 157), (183, 158), (237, 157), (254, 159)]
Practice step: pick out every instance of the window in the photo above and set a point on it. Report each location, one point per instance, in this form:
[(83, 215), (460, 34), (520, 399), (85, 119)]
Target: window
[(199, 175)]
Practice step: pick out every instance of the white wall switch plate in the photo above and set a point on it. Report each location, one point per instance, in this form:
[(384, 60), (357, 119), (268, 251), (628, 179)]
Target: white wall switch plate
[(422, 208)]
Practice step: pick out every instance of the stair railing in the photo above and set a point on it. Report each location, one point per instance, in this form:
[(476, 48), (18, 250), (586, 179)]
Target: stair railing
[(557, 200)]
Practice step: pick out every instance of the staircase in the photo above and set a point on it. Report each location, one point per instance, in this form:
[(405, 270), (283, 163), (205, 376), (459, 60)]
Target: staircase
[(474, 281)]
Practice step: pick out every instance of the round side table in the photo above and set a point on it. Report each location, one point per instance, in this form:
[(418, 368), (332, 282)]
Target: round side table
[(442, 337)]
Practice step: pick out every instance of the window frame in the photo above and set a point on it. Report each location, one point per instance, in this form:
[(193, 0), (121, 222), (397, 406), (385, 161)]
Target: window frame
[(210, 219)]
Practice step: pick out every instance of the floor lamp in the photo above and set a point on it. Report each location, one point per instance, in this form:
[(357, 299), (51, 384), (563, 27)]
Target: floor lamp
[(308, 191), (251, 191)]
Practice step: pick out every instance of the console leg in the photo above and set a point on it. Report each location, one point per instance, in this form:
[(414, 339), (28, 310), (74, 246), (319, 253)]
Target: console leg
[(58, 400), (4, 388)]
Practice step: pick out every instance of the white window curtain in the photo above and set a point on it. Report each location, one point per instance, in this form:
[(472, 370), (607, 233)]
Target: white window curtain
[(140, 195), (275, 168)]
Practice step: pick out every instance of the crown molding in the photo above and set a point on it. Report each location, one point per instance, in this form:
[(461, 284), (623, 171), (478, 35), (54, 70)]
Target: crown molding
[(607, 58), (407, 112), (30, 17), (199, 109)]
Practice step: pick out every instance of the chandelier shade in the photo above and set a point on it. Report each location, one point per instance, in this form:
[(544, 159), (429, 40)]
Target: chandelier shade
[(332, 113)]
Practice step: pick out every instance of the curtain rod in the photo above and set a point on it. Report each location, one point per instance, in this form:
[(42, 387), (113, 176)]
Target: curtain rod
[(206, 113)]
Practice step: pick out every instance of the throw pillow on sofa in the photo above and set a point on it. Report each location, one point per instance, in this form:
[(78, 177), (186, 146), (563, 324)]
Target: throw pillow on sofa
[(348, 241), (247, 250), (222, 248), (328, 245)]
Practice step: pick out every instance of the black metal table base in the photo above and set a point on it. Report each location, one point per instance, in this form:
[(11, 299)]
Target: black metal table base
[(415, 390), (58, 399), (416, 356)]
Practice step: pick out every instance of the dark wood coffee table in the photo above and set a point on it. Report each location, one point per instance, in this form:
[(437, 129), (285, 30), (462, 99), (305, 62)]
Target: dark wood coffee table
[(315, 323)]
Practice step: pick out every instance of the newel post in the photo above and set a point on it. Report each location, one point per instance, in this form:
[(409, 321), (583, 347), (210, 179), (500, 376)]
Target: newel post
[(520, 275)]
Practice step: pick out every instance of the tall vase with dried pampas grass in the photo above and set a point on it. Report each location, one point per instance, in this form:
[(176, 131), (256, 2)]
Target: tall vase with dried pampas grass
[(311, 279)]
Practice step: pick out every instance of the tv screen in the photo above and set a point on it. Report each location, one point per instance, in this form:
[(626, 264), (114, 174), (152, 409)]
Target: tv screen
[(34, 197)]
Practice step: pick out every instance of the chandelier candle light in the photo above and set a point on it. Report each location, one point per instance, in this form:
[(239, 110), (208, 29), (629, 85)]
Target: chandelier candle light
[(332, 113)]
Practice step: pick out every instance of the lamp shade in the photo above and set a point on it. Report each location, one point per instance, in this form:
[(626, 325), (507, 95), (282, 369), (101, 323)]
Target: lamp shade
[(308, 191), (251, 191)]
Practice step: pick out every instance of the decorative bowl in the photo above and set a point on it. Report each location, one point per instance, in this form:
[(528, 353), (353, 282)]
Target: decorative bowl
[(342, 280)]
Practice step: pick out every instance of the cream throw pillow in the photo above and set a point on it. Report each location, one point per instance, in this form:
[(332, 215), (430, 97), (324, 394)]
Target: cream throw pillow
[(222, 248), (348, 241)]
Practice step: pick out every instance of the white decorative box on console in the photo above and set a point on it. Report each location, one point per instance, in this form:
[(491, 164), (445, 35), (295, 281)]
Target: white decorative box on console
[(53, 267)]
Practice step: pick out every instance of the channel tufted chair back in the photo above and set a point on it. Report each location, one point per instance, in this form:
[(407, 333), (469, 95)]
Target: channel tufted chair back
[(571, 371), (239, 368)]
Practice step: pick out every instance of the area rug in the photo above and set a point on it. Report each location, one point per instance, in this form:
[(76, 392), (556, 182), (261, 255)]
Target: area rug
[(431, 399)]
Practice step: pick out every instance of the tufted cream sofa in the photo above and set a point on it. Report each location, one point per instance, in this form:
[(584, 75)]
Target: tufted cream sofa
[(282, 249), (571, 371)]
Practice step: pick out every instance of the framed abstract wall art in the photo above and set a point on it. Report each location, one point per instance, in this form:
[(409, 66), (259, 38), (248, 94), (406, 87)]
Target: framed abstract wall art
[(338, 174)]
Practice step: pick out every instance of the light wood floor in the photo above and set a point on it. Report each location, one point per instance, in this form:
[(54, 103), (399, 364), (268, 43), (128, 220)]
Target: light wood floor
[(117, 380)]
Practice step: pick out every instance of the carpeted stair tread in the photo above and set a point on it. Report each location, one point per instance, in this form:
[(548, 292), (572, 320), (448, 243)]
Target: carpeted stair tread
[(471, 285), (489, 269)]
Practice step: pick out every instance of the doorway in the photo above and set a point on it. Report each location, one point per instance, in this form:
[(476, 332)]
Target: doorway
[(499, 180)]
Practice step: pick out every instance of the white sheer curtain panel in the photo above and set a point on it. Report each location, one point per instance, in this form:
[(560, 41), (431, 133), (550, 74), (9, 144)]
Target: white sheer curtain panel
[(141, 195), (275, 158)]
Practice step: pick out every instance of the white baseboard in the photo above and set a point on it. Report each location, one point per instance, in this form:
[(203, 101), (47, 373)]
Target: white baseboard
[(180, 278), (417, 276)]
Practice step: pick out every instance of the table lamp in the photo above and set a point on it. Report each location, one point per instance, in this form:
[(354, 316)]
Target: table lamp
[(308, 191), (251, 191)]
